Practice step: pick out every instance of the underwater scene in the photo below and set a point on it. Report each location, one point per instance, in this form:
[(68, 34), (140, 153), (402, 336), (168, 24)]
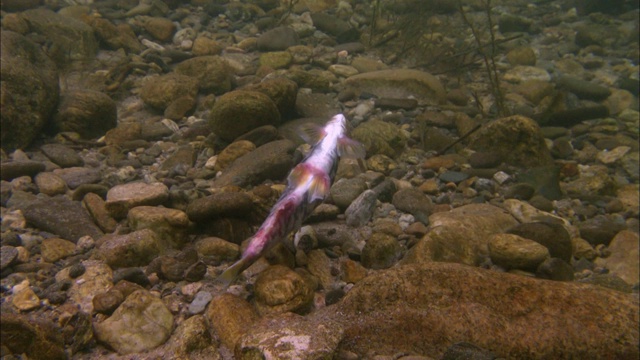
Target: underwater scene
[(319, 179)]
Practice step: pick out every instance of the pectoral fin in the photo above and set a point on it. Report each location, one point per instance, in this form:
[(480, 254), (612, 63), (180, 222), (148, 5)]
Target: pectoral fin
[(319, 187), (311, 133), (350, 148)]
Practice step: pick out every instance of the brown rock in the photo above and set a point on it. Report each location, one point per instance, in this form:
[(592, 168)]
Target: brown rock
[(39, 340), (623, 260), (279, 289), (54, 249), (160, 28), (98, 210), (230, 317)]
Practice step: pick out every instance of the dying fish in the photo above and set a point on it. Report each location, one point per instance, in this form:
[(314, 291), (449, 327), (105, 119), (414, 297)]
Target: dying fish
[(308, 185)]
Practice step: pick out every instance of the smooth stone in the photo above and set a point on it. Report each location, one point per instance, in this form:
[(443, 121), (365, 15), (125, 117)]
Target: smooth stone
[(345, 191), (553, 236), (515, 252), (8, 254), (214, 251), (62, 155), (279, 38), (200, 302), (50, 184), (453, 176), (224, 203), (15, 169), (399, 83), (600, 229), (75, 177), (361, 209), (141, 323), (415, 202), (134, 249), (54, 249), (555, 269), (230, 153), (583, 89), (279, 289), (98, 209)]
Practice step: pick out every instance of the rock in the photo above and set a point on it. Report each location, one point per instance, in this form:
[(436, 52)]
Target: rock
[(381, 163), (464, 350), (260, 135), (191, 340), (229, 154), (71, 39), (361, 209), (98, 209), (8, 256), (95, 280), (203, 45), (345, 191), (519, 74), (62, 155), (161, 29), (160, 91), (54, 249), (583, 89), (380, 137), (282, 91), (224, 203), (134, 249), (365, 64), (289, 336), (600, 229), (555, 269), (320, 265), (551, 235), (381, 251), (141, 323), (121, 198), (170, 225), (50, 184), (401, 310), (352, 271), (26, 299), (240, 111), (515, 252), (279, 289), (36, 338), (593, 180), (273, 160), (460, 235), (61, 216), (623, 260), (86, 112), (399, 83), (213, 73), (115, 37), (230, 317), (534, 90), (107, 302), (32, 87), (74, 177), (276, 59), (16, 169), (414, 202), (522, 55), (515, 139), (628, 195), (526, 213), (610, 281), (276, 39), (200, 302)]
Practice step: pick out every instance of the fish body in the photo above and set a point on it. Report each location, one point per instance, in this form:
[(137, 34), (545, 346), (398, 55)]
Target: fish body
[(308, 185)]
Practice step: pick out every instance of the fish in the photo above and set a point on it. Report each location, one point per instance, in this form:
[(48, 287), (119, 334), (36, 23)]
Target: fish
[(308, 185)]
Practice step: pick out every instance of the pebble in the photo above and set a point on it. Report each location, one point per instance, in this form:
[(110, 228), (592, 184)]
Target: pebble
[(200, 302)]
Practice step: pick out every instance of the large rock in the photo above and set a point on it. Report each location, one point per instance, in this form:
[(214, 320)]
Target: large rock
[(89, 113), (399, 83), (161, 91), (272, 161), (238, 112), (282, 91), (134, 249), (279, 289), (290, 337), (29, 88), (380, 137), (460, 235), (213, 73), (623, 260), (516, 139), (61, 216), (71, 39), (142, 322), (39, 339), (425, 309)]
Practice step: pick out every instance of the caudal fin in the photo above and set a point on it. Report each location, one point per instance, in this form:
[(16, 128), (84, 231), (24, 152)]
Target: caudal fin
[(227, 277)]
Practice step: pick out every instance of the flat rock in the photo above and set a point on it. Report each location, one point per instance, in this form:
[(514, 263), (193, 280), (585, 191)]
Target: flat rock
[(424, 309), (290, 336), (61, 216), (170, 225), (121, 198), (76, 176), (399, 83), (13, 169), (272, 161), (623, 260)]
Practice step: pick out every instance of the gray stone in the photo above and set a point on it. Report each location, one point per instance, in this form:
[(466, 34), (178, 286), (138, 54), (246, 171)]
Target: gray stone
[(415, 202), (200, 302), (61, 216), (74, 177), (345, 191), (279, 38), (272, 161), (14, 169), (361, 209), (62, 155), (399, 83)]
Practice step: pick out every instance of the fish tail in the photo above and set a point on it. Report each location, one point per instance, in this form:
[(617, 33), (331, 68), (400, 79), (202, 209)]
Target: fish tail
[(227, 277)]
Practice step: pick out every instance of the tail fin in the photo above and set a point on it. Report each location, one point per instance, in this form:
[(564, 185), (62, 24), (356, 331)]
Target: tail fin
[(227, 277)]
